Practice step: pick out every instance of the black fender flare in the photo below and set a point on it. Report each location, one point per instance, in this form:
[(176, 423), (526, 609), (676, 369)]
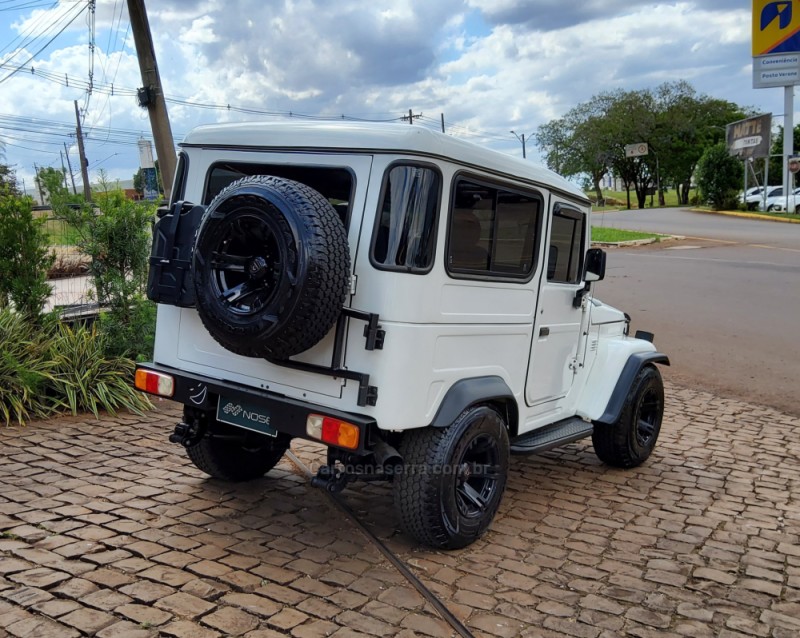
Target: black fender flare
[(468, 392), (632, 367)]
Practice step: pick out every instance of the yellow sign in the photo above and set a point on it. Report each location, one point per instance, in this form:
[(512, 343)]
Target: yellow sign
[(776, 26)]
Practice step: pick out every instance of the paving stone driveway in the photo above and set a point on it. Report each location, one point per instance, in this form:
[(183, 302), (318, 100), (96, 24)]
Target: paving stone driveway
[(108, 530)]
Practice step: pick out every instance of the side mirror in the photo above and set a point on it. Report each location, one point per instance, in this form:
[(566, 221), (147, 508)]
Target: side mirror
[(595, 268)]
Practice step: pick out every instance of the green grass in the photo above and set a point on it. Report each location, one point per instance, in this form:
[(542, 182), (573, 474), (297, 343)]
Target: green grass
[(60, 233), (608, 235), (619, 199)]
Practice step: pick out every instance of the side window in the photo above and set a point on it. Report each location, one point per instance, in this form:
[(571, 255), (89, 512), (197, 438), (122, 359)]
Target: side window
[(493, 231), (565, 257), (405, 231)]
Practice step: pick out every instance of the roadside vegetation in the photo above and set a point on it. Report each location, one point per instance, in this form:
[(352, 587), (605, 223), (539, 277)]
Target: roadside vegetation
[(675, 123), (48, 366), (602, 234)]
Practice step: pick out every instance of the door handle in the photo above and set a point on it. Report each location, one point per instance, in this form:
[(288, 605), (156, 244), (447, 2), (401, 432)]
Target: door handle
[(544, 331)]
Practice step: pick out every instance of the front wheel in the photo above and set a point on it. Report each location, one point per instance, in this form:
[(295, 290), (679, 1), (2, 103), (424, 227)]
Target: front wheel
[(453, 479), (630, 440), (230, 453)]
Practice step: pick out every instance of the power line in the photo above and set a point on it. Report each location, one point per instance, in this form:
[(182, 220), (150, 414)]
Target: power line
[(60, 31)]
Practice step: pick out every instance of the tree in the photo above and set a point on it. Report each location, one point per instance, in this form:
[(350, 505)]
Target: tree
[(8, 179), (718, 176), (576, 144), (675, 122), (59, 196), (686, 125), (776, 154), (24, 255)]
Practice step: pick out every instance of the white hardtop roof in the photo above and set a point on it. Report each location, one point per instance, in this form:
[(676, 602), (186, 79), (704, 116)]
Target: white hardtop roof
[(372, 137)]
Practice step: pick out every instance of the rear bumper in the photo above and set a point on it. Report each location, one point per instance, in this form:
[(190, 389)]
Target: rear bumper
[(286, 415)]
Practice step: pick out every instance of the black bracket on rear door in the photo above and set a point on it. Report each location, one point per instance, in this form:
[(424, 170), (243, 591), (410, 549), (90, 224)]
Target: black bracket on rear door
[(367, 394), (373, 332)]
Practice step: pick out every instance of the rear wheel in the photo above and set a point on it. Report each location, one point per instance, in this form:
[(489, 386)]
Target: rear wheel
[(453, 479), (230, 453), (630, 440)]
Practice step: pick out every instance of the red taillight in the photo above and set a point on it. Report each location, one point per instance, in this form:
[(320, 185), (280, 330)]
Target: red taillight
[(333, 431), (154, 382)]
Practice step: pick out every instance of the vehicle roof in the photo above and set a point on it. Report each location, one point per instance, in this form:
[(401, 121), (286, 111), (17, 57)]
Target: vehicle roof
[(374, 137)]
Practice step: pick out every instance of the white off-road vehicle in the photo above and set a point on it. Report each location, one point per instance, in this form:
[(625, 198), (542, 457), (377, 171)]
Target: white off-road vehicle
[(419, 304)]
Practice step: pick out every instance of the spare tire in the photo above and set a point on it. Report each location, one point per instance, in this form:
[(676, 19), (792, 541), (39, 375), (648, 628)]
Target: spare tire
[(271, 267)]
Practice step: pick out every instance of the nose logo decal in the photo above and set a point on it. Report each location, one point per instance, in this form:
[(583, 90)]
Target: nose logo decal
[(781, 11)]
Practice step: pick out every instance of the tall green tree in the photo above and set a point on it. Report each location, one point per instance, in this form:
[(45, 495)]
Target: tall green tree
[(675, 121)]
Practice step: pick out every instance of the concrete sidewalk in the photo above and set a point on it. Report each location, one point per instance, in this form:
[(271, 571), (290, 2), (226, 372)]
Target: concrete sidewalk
[(109, 531)]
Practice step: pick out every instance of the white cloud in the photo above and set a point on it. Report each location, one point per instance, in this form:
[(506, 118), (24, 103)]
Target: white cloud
[(488, 65)]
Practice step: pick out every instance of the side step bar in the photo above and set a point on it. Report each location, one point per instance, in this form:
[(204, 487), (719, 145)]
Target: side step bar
[(551, 436)]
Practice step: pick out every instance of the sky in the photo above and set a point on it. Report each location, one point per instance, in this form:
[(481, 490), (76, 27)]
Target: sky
[(488, 66)]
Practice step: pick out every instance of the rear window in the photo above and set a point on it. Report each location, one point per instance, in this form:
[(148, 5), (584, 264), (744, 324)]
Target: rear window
[(334, 184), (405, 230)]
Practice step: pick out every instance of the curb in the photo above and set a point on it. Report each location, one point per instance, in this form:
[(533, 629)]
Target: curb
[(731, 213), (636, 242), (629, 242)]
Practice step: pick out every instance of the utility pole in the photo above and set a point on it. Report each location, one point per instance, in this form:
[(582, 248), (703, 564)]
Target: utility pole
[(521, 138), (71, 174), (410, 117), (87, 190), (151, 94), (63, 170), (442, 114), (38, 183)]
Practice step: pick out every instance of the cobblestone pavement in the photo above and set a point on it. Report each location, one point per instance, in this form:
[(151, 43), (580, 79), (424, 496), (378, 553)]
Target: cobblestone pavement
[(108, 530)]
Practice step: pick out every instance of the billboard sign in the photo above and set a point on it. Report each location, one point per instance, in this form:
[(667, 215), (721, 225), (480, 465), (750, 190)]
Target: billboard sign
[(749, 138), (776, 43)]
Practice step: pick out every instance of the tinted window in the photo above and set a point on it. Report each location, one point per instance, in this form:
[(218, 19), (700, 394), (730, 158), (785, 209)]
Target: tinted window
[(334, 184), (493, 231), (565, 256), (405, 232)]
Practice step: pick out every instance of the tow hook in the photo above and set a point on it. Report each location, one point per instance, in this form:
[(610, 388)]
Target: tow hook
[(185, 433), (331, 479)]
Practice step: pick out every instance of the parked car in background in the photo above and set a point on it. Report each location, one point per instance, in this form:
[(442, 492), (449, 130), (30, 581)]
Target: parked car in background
[(750, 192), (756, 201), (780, 203)]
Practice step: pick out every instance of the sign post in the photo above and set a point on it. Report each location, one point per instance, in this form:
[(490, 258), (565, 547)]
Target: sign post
[(776, 60)]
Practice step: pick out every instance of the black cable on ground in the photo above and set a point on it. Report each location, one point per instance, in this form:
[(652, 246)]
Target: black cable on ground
[(426, 593)]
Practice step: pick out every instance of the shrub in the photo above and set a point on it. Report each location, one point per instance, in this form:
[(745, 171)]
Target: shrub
[(24, 256), (116, 238), (86, 377), (52, 367), (718, 177), (25, 371)]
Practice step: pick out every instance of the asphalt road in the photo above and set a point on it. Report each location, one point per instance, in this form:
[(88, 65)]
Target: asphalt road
[(725, 308)]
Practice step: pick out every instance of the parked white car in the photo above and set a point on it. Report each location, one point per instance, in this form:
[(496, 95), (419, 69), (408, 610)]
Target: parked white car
[(420, 305), (751, 192), (780, 203), (756, 201)]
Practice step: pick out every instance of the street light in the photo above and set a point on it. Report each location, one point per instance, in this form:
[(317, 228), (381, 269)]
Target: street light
[(521, 138)]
